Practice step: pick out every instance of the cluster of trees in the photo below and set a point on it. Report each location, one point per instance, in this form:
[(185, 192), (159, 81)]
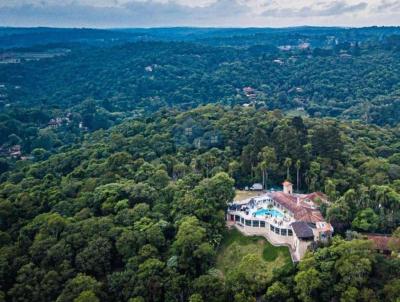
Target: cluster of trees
[(136, 212), (347, 271)]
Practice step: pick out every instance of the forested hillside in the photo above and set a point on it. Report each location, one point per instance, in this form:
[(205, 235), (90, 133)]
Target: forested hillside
[(101, 86), (120, 149), (136, 212)]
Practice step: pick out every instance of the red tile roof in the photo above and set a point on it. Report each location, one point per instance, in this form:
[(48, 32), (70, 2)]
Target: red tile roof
[(313, 196), (301, 210), (381, 241)]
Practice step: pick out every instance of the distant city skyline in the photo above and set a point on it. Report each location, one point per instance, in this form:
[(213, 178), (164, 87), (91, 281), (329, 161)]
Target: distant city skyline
[(199, 13)]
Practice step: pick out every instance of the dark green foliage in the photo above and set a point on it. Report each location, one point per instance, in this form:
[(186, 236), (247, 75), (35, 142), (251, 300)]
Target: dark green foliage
[(99, 84), (125, 199)]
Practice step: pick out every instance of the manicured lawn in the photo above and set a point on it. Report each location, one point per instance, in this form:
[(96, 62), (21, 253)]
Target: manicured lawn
[(235, 246)]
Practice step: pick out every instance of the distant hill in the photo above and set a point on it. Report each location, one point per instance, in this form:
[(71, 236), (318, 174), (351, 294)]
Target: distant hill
[(25, 37), (102, 77)]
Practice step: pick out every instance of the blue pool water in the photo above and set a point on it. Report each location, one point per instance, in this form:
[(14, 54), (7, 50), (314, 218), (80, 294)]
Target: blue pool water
[(272, 212)]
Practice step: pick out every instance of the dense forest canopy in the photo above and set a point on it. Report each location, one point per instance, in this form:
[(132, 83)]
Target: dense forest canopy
[(102, 85), (120, 149), (137, 212)]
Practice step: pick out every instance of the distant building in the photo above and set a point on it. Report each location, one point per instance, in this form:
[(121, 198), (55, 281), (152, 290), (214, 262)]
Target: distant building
[(58, 121), (52, 124), (10, 61), (345, 56), (15, 151), (381, 242), (285, 47), (304, 46), (82, 126), (250, 92)]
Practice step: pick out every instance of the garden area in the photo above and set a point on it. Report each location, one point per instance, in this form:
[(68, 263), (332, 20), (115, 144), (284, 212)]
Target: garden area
[(254, 255)]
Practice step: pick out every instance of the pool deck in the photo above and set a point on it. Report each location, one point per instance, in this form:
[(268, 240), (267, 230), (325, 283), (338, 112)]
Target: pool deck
[(279, 222)]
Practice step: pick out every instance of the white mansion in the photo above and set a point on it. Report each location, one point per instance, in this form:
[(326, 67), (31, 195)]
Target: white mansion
[(284, 218)]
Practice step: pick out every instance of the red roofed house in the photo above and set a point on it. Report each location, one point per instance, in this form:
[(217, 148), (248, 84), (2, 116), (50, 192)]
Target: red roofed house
[(284, 218), (381, 242)]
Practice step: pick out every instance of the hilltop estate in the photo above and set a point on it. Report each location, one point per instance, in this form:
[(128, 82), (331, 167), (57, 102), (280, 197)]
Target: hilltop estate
[(284, 218)]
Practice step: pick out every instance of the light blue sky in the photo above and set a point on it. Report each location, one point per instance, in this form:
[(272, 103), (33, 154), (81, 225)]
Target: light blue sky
[(226, 13)]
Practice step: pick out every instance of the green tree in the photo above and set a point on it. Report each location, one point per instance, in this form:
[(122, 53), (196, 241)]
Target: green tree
[(76, 286), (277, 292), (268, 161), (307, 284), (366, 220), (193, 252), (195, 298), (298, 167), (87, 296), (288, 163), (392, 290), (96, 257), (209, 287)]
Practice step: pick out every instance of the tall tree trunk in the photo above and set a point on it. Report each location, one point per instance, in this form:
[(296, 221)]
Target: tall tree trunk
[(266, 180), (298, 179), (263, 179)]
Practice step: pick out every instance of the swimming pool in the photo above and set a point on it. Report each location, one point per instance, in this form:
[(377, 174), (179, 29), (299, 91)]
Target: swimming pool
[(272, 212)]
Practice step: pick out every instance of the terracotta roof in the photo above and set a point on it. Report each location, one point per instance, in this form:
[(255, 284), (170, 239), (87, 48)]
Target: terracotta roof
[(313, 196), (302, 211), (380, 241), (309, 215), (286, 182)]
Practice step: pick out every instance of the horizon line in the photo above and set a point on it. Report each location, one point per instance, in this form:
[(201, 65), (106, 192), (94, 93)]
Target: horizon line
[(200, 27)]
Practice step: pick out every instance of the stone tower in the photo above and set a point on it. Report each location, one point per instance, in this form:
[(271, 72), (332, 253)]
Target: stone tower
[(287, 187)]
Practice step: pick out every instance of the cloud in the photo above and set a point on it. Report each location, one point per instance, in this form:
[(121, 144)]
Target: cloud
[(232, 13), (104, 3), (387, 5), (116, 13), (320, 9)]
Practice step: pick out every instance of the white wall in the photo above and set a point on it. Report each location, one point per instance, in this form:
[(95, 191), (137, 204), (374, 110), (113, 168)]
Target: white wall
[(297, 247)]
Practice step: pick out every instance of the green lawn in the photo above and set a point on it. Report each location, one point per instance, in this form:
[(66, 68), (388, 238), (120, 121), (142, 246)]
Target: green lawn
[(235, 246)]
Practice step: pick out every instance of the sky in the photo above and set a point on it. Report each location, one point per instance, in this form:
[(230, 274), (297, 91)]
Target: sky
[(201, 13)]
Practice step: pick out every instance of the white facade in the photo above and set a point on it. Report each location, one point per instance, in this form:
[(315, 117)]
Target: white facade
[(266, 216), (275, 234)]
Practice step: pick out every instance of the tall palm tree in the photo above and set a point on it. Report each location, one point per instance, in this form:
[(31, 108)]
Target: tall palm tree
[(298, 166), (268, 159), (264, 167), (288, 164)]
